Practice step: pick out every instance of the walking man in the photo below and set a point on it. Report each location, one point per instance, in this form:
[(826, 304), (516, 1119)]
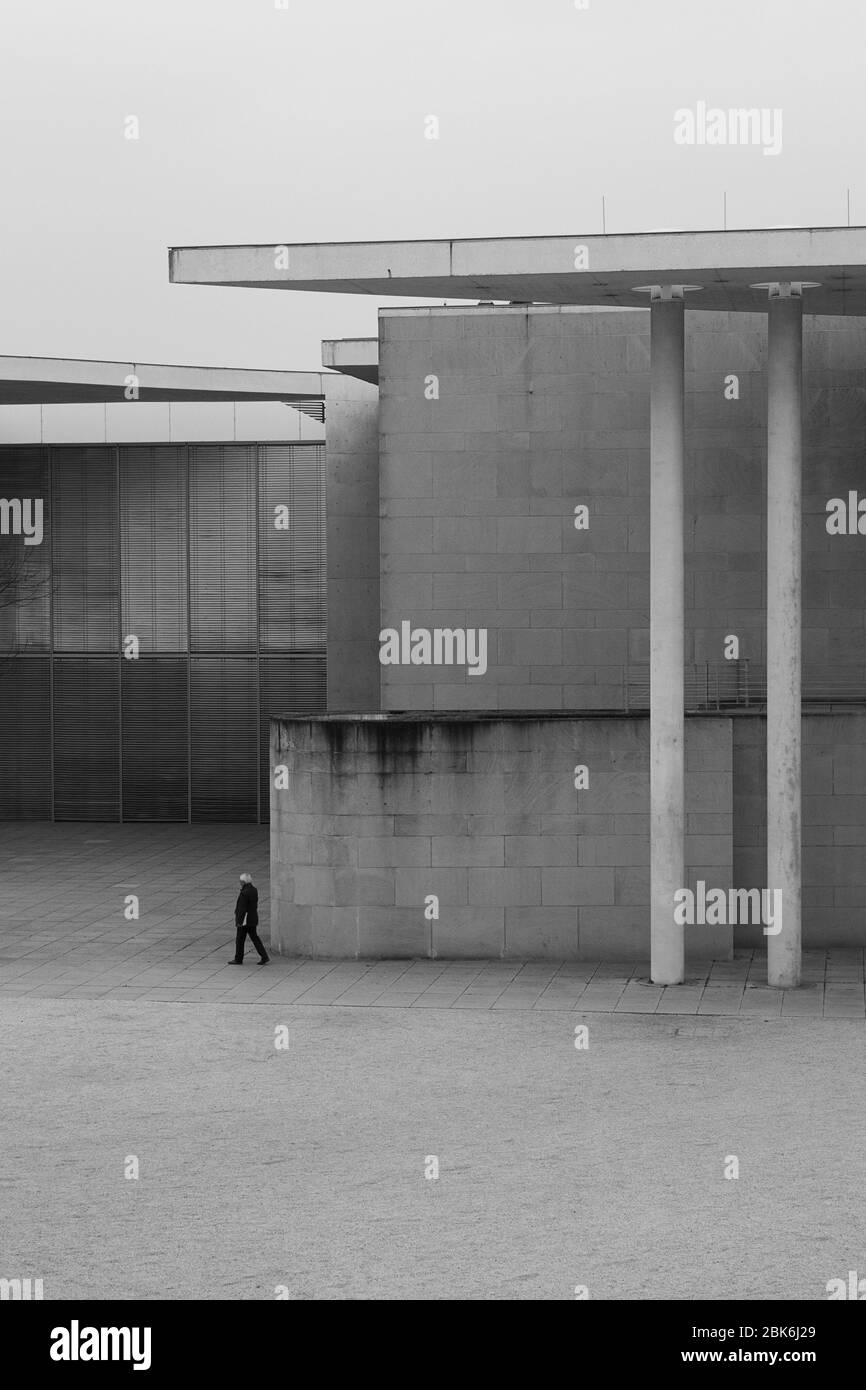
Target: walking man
[(246, 921)]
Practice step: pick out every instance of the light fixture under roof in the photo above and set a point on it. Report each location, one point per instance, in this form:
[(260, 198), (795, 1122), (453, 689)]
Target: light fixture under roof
[(658, 292), (794, 287)]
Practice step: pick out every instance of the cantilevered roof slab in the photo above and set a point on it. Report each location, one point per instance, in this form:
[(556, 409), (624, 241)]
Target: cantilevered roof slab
[(724, 265), (72, 381), (358, 357)]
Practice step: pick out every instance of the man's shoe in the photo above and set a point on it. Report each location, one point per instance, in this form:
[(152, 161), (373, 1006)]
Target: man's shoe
[(265, 960), (235, 962)]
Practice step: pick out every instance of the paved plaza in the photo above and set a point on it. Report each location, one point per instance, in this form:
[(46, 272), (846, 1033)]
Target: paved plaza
[(64, 934), (307, 1170)]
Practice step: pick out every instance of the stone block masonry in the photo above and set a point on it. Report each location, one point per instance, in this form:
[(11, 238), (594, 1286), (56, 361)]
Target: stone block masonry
[(466, 835), (834, 824), (542, 408)]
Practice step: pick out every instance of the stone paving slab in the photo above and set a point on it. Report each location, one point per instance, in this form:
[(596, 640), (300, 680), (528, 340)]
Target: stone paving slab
[(65, 935)]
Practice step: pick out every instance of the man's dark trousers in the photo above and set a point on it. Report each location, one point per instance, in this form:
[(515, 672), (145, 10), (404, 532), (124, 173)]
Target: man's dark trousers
[(246, 921), (256, 940)]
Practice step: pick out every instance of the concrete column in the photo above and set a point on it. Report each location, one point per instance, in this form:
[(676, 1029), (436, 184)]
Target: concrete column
[(784, 613), (667, 621)]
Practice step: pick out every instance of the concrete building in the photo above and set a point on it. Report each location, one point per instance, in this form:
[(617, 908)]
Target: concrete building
[(652, 517)]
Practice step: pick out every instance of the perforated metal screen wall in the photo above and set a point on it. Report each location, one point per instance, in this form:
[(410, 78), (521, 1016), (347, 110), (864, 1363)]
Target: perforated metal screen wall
[(213, 558)]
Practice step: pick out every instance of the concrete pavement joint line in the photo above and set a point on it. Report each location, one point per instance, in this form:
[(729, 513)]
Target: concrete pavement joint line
[(68, 945)]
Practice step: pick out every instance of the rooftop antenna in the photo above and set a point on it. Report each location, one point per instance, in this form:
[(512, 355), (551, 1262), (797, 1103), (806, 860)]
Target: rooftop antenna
[(603, 219), (848, 191), (725, 210)]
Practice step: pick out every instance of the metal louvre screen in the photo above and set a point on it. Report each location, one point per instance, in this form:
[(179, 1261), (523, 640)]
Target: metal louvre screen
[(222, 540), (25, 570), (154, 739), (86, 726), (289, 685), (223, 728), (153, 540), (85, 549), (25, 738), (292, 602), (175, 545)]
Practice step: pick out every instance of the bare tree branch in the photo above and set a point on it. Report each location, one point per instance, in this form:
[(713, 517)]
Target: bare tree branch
[(22, 583)]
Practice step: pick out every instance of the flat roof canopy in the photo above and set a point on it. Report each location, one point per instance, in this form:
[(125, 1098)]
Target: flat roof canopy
[(725, 266), (358, 357), (73, 381)]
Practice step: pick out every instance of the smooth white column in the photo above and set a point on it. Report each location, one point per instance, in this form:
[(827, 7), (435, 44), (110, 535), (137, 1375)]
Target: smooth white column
[(784, 613), (667, 642)]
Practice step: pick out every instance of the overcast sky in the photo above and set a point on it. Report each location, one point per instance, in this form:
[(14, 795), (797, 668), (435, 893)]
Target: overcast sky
[(268, 125)]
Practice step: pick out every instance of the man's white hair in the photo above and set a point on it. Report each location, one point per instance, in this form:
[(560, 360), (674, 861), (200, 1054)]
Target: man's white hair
[(245, 878)]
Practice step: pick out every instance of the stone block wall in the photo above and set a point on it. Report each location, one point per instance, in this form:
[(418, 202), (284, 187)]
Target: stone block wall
[(543, 408), (834, 824), (380, 815), (352, 545)]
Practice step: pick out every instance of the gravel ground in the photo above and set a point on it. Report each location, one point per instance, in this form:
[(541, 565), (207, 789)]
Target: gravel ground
[(305, 1167)]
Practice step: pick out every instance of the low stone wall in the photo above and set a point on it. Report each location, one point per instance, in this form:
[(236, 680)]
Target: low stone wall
[(466, 835), (834, 824)]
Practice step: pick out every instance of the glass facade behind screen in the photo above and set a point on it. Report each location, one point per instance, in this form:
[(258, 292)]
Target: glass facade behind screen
[(209, 560), (83, 533), (224, 738), (153, 556), (222, 548)]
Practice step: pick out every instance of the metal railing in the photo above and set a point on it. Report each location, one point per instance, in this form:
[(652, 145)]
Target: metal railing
[(729, 685)]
